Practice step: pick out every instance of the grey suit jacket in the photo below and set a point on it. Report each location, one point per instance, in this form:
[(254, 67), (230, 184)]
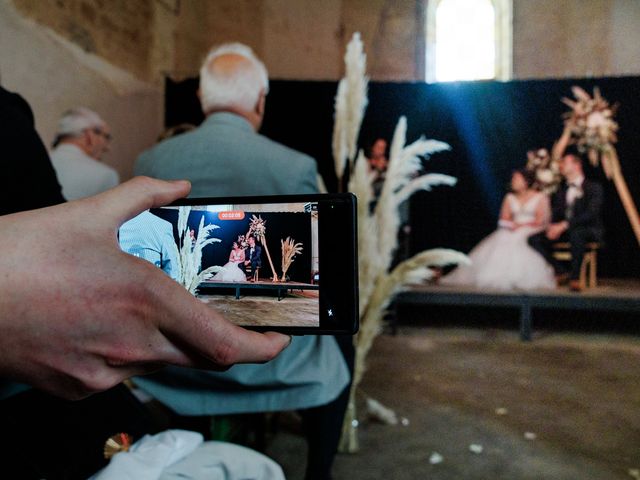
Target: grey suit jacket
[(225, 157)]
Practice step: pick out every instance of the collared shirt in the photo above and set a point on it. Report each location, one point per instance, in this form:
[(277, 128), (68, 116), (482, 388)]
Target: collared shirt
[(149, 237), (79, 174), (575, 190)]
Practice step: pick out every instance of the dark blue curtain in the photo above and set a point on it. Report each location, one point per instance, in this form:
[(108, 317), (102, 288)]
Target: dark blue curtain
[(489, 125)]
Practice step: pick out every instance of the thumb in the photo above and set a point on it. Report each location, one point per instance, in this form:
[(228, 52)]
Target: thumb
[(137, 195)]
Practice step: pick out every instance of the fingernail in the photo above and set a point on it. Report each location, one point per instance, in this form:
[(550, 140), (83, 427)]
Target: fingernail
[(180, 182)]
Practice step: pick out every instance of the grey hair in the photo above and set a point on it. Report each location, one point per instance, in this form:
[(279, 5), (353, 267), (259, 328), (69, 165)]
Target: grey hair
[(75, 121), (240, 88)]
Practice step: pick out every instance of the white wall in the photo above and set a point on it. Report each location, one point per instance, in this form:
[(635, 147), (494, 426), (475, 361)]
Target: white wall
[(54, 75)]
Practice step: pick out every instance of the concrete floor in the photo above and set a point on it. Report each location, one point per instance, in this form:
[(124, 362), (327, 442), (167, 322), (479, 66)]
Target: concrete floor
[(578, 394)]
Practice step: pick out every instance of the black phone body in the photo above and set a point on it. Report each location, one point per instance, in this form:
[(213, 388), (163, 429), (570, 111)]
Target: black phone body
[(250, 281)]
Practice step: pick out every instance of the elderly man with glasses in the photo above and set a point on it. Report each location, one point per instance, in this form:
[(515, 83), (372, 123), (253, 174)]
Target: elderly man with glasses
[(82, 139)]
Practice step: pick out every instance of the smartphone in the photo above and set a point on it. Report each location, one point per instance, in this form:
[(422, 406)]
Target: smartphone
[(271, 263)]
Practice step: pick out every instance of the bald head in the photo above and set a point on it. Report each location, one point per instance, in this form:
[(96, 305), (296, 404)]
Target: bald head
[(230, 65), (233, 79)]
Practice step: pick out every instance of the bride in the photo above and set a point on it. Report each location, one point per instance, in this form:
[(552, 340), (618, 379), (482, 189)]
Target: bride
[(232, 270), (504, 260)]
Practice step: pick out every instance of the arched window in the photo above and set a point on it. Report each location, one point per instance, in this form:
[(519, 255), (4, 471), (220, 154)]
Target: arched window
[(468, 40)]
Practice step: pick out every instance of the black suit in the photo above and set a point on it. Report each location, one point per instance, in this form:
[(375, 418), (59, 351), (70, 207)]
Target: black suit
[(255, 259), (585, 224)]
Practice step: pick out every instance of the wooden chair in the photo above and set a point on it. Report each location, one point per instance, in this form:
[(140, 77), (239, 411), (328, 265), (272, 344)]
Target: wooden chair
[(588, 269)]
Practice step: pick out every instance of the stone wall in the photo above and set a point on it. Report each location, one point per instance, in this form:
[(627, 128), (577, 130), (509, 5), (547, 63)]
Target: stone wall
[(304, 39), (576, 38), (112, 55), (55, 74), (117, 30)]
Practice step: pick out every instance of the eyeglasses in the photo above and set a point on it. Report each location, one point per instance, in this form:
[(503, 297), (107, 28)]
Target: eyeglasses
[(103, 134)]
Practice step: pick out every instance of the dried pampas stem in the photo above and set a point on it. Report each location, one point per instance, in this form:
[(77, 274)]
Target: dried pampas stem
[(189, 255), (377, 242), (378, 230), (350, 104), (289, 250)]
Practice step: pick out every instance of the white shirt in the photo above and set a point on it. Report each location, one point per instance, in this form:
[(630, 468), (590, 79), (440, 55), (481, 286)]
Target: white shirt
[(575, 190), (79, 174)]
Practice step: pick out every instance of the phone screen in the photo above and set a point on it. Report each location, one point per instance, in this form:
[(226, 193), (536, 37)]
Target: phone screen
[(259, 264)]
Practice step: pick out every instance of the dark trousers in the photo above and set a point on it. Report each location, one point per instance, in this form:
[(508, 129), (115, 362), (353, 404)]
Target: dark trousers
[(254, 267), (578, 237), (323, 424)]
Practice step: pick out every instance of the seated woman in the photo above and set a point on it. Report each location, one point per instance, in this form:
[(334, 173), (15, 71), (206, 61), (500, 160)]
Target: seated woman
[(232, 271), (504, 260)]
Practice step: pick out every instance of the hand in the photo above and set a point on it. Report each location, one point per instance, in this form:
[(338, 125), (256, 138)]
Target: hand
[(506, 224), (555, 230), (78, 315)]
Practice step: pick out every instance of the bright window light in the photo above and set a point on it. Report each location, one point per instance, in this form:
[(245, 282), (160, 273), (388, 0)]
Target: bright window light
[(465, 47)]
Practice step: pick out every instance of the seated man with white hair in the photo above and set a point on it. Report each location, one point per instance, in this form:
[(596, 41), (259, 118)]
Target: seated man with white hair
[(225, 156), (82, 139)]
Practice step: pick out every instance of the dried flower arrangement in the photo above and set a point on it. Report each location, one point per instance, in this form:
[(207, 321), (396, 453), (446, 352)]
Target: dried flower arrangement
[(242, 242), (546, 169), (289, 250), (258, 227), (378, 229), (593, 129)]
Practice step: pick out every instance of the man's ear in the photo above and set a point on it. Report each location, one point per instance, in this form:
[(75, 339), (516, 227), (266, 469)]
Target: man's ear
[(88, 139), (260, 105)]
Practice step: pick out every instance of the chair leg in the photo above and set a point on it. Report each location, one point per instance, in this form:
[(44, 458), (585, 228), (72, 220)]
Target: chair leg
[(593, 271), (583, 272)]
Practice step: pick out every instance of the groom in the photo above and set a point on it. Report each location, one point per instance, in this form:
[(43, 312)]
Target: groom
[(253, 257), (576, 217)]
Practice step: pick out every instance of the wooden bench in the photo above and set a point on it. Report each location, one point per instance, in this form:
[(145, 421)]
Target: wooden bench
[(588, 269)]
